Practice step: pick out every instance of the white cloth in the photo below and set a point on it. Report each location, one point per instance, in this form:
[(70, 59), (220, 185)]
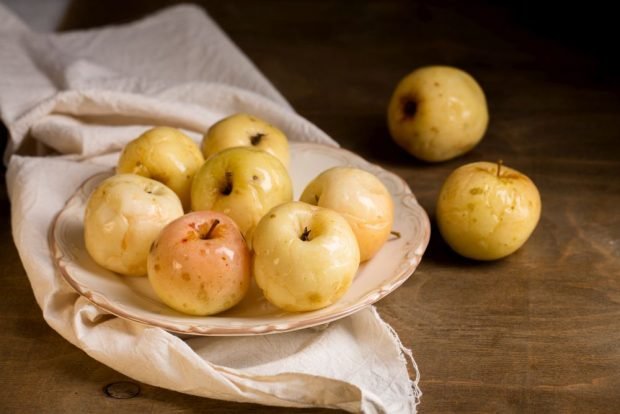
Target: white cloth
[(85, 94)]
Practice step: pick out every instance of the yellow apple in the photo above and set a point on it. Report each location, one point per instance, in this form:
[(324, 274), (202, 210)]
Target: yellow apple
[(166, 155), (437, 113), (123, 216), (243, 130), (305, 257), (362, 200), (242, 182), (486, 211)]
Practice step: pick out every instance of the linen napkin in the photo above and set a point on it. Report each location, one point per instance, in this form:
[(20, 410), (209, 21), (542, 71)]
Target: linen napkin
[(78, 97)]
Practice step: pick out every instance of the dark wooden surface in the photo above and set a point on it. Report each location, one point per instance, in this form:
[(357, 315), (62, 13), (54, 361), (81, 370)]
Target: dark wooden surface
[(536, 332)]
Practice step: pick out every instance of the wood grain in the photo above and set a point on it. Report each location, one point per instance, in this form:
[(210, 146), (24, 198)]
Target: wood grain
[(536, 332)]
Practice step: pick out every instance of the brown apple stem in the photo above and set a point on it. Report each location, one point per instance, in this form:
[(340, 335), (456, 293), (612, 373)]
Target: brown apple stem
[(396, 234), (208, 235), (409, 107), (255, 139), (499, 166), (228, 187), (305, 236)]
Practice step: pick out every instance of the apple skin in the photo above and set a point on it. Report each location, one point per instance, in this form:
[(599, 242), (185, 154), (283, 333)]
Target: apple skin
[(198, 272), (437, 113), (242, 130), (123, 216), (361, 198), (303, 275), (242, 182), (486, 216), (165, 155)]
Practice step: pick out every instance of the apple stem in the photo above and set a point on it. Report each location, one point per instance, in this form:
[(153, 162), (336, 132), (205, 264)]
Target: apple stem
[(228, 187), (305, 236), (208, 235), (409, 107), (499, 166), (255, 139), (396, 234)]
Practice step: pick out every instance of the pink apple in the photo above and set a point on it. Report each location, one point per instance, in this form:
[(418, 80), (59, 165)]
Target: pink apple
[(200, 264)]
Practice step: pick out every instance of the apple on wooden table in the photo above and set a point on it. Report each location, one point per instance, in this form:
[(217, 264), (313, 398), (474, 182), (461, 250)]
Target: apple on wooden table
[(123, 216), (305, 257), (200, 264), (437, 113), (244, 130), (487, 211)]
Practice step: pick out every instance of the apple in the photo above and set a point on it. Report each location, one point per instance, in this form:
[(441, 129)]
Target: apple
[(242, 130), (165, 155), (242, 182), (437, 113), (486, 211), (123, 216), (305, 257), (361, 198), (200, 264)]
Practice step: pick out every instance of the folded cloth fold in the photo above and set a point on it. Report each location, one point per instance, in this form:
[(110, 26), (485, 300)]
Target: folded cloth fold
[(78, 97)]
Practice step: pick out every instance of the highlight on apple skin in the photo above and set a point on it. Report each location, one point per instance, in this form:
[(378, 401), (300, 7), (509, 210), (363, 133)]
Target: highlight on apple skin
[(437, 113), (361, 198), (305, 257), (487, 211), (242, 182), (123, 216), (244, 130), (200, 264), (166, 155)]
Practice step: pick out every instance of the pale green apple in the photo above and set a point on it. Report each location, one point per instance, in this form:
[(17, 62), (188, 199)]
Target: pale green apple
[(166, 155), (123, 216), (243, 183), (437, 113), (305, 257), (486, 211), (243, 130), (363, 201)]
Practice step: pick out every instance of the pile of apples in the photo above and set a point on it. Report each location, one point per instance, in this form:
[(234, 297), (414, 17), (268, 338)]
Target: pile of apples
[(201, 223)]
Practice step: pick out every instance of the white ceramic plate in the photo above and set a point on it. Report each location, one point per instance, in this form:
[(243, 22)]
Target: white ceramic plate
[(134, 299)]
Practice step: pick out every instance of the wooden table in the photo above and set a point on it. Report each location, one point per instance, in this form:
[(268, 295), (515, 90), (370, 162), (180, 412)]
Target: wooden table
[(536, 332)]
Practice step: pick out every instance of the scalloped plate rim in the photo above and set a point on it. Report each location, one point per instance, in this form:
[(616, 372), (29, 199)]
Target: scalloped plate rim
[(100, 300)]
